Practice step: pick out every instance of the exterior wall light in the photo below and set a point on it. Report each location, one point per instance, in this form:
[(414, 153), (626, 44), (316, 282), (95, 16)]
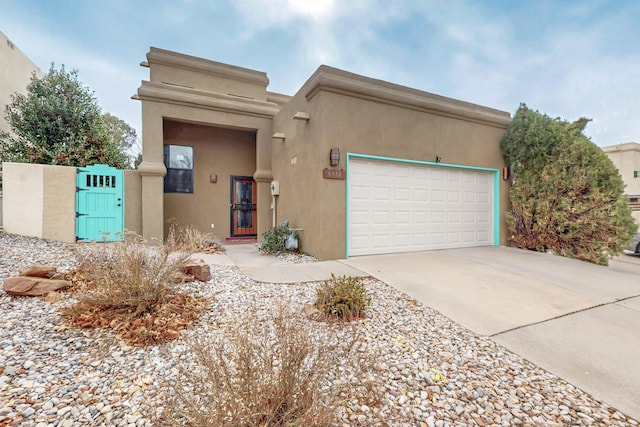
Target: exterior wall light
[(278, 135), (334, 156), (438, 159), (301, 116)]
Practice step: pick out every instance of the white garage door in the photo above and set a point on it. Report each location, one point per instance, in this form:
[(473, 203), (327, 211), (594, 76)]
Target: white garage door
[(404, 207)]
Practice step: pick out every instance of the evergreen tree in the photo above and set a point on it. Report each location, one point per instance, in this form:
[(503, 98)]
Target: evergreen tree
[(58, 122), (567, 196)]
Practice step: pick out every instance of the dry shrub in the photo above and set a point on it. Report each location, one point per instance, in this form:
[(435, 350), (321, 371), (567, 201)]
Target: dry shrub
[(267, 374), (132, 289), (189, 239)]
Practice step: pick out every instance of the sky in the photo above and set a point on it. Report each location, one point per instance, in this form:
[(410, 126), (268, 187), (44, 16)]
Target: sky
[(567, 59)]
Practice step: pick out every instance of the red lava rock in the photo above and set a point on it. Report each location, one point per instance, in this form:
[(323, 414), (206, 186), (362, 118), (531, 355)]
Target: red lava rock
[(198, 269), (39, 270)]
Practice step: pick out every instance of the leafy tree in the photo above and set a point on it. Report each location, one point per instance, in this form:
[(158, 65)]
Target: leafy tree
[(58, 121), (567, 196), (122, 133)]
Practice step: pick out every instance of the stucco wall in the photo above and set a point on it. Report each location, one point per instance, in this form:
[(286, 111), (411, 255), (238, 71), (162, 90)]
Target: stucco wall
[(23, 201), (357, 124), (59, 203), (219, 151), (39, 201), (132, 202)]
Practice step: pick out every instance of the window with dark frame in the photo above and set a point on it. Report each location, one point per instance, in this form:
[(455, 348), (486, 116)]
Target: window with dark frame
[(178, 159)]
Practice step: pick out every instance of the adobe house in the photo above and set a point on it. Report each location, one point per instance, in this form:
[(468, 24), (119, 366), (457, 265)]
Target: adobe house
[(360, 166)]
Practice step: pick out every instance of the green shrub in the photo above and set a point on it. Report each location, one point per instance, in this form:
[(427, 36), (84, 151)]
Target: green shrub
[(343, 298), (567, 196), (273, 240)]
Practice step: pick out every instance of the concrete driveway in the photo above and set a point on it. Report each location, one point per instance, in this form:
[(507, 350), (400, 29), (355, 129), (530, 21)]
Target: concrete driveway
[(577, 320)]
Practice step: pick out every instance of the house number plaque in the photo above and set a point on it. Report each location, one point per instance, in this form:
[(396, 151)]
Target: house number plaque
[(333, 174)]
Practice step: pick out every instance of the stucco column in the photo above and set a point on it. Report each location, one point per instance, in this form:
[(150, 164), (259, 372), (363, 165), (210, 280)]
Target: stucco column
[(263, 177), (152, 172)]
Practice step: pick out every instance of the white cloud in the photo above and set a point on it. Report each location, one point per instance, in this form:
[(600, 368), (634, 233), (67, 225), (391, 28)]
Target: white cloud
[(313, 9), (566, 61)]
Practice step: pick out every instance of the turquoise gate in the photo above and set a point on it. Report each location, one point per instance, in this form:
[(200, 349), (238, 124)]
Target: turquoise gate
[(99, 203)]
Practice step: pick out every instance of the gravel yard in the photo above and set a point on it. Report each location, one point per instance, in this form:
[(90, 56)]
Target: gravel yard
[(433, 371)]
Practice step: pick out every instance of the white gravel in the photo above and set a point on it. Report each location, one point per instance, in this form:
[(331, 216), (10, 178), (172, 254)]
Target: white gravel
[(434, 372)]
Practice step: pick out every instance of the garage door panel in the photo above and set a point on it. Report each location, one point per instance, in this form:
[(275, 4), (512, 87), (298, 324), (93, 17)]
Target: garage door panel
[(401, 240), (382, 240), (400, 207), (402, 194), (382, 193), (420, 217), (454, 238), (437, 175), (453, 176), (453, 218), (381, 217), (438, 217), (469, 217), (437, 196), (401, 218)]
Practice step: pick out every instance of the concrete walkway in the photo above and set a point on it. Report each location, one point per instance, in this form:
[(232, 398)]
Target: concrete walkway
[(577, 320), (266, 268)]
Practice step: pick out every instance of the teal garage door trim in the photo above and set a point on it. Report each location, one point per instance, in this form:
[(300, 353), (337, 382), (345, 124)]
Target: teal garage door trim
[(399, 205)]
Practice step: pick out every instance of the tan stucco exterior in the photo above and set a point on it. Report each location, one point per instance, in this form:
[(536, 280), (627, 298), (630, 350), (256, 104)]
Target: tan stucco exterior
[(626, 157), (133, 202), (367, 116), (237, 127), (15, 74), (197, 91), (39, 201)]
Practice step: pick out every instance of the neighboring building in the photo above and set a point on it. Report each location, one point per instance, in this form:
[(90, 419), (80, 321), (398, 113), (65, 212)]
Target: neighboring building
[(362, 166), (626, 157), (15, 74)]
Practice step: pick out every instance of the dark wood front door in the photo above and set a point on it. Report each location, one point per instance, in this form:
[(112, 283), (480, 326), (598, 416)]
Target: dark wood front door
[(243, 206)]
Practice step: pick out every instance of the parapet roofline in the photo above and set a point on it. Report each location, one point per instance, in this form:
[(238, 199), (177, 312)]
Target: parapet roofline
[(206, 66), (627, 146), (180, 95), (331, 79)]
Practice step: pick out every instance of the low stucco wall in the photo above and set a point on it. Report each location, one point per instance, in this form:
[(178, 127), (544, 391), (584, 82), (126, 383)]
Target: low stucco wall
[(59, 203), (39, 201), (22, 204)]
